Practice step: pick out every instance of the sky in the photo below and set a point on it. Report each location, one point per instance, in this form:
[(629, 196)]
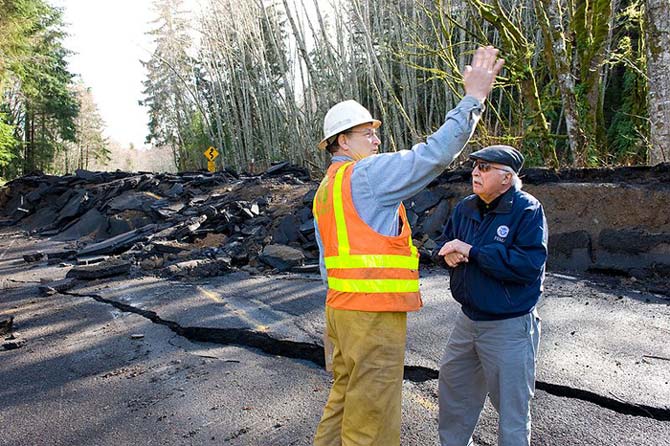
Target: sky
[(109, 42)]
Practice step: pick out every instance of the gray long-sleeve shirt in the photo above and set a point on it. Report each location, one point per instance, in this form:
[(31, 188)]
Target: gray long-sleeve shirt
[(380, 182)]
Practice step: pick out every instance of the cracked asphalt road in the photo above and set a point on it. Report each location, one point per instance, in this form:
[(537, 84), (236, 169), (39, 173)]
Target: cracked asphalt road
[(234, 360)]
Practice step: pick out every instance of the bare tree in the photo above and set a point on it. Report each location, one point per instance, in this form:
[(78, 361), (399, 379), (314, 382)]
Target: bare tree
[(267, 71), (657, 18), (550, 17)]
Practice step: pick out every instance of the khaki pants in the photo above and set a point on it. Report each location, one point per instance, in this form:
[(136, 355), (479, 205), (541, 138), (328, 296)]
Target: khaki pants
[(364, 404)]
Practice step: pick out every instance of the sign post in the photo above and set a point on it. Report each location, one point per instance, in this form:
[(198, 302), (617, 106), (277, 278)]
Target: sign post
[(211, 153)]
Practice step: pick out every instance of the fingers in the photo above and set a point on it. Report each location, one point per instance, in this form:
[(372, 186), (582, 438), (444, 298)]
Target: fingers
[(491, 58), (485, 57), (498, 66), (454, 259), (478, 58), (478, 77), (449, 247), (446, 249)]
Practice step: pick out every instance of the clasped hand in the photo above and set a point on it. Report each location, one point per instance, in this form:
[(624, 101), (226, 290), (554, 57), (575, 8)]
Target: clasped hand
[(455, 252)]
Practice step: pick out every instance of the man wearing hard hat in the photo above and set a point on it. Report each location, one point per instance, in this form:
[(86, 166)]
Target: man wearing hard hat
[(368, 259)]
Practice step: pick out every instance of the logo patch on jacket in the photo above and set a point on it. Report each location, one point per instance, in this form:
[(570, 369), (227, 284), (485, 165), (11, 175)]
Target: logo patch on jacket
[(502, 232)]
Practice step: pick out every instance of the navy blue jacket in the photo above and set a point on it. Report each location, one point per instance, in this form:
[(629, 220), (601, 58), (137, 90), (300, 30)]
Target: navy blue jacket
[(504, 276)]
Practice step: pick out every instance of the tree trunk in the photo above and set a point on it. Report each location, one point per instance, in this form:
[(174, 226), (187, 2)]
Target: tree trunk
[(657, 18), (549, 16), (29, 138)]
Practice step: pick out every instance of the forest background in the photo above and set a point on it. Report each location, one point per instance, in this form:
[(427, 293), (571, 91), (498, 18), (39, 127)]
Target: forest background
[(585, 83)]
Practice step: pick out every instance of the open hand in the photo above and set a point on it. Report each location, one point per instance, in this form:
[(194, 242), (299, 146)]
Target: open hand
[(478, 77)]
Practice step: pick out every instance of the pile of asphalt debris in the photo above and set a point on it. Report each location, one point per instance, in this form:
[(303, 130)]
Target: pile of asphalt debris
[(199, 224), (183, 225)]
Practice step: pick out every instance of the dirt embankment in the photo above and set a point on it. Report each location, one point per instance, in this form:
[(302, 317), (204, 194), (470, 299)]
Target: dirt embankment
[(601, 220)]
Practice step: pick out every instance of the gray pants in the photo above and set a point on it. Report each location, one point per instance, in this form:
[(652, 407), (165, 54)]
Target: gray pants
[(488, 357)]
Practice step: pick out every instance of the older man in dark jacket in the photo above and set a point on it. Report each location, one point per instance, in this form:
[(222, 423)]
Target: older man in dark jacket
[(496, 248)]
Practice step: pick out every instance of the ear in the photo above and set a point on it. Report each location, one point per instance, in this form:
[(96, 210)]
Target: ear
[(342, 141)]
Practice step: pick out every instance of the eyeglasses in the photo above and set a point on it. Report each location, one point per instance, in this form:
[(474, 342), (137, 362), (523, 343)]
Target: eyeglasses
[(369, 134), (484, 167)]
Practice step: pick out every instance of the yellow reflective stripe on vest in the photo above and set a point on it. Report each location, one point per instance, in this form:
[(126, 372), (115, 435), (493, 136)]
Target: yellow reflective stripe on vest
[(412, 248), (372, 261), (340, 223), (373, 286)]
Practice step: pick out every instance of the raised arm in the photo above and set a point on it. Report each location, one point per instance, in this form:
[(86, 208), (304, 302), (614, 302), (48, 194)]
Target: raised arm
[(403, 174)]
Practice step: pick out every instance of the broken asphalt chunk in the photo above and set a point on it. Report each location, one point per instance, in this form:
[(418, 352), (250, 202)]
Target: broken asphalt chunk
[(6, 325), (90, 260), (424, 200), (282, 257), (307, 227), (13, 344), (101, 270), (57, 286), (287, 230), (170, 246), (175, 191), (34, 257), (118, 243), (92, 224), (200, 267), (308, 198), (304, 269), (132, 200), (433, 220), (74, 206), (277, 168), (58, 256)]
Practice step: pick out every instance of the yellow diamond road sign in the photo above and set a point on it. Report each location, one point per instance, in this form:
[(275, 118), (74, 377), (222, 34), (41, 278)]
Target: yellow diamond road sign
[(211, 153)]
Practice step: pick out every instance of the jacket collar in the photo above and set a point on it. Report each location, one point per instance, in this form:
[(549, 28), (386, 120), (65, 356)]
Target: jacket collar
[(504, 205), (341, 159)]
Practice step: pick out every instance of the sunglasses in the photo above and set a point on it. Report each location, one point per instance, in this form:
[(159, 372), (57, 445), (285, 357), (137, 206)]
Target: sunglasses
[(483, 166)]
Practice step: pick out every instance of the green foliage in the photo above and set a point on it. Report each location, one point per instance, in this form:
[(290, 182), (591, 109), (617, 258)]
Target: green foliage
[(196, 141), (43, 107), (7, 142), (628, 127), (529, 109), (46, 80), (19, 21), (625, 103)]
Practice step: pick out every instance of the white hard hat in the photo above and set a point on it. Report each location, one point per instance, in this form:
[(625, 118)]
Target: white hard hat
[(343, 116)]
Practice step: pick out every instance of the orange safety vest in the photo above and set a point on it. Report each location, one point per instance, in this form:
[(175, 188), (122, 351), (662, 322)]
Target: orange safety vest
[(367, 271)]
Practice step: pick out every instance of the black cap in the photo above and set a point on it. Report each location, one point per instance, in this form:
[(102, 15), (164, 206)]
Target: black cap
[(506, 155)]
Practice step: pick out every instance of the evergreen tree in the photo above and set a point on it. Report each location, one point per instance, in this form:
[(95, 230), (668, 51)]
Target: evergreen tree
[(38, 105), (90, 146), (169, 89)]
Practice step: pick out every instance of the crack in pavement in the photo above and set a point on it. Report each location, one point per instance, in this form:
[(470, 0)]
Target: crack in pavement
[(617, 405), (314, 353)]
